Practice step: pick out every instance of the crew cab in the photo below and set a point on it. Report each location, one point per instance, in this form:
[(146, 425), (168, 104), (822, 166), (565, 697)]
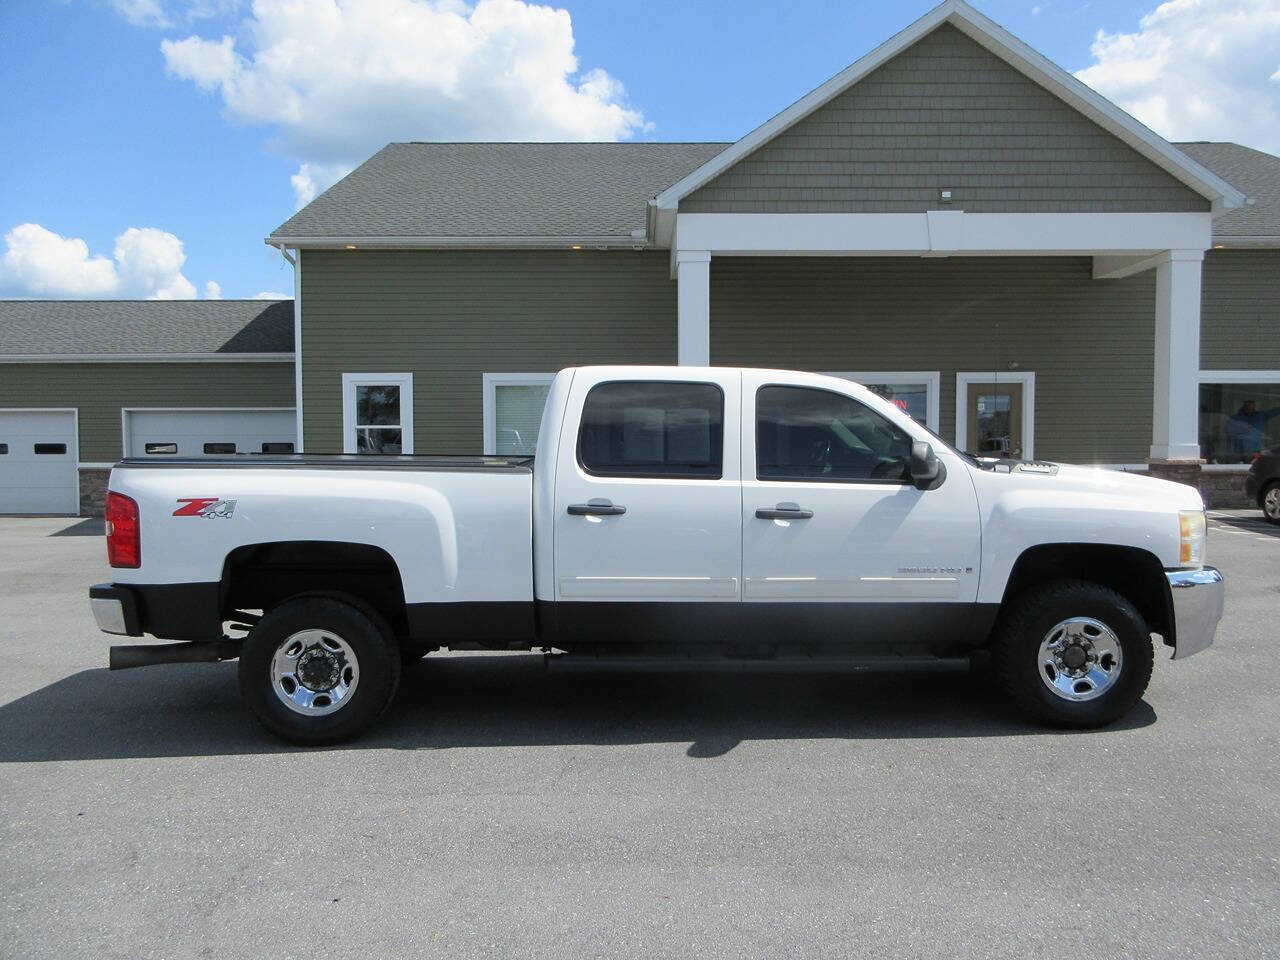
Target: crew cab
[(673, 517)]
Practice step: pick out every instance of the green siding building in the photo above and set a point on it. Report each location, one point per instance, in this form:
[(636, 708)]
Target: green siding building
[(952, 220)]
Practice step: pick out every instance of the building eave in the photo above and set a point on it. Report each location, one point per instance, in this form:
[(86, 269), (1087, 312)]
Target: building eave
[(465, 243), (147, 358)]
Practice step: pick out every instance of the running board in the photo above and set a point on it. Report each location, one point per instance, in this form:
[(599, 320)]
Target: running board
[(620, 664), (149, 654)]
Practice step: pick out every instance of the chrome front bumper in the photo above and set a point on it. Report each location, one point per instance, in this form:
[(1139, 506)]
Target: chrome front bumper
[(1197, 608)]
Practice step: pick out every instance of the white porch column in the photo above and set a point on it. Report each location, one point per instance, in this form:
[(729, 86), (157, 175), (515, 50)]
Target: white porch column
[(1176, 433), (693, 333)]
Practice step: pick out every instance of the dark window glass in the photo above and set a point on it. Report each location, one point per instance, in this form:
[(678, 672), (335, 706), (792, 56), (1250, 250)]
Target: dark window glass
[(807, 434), (50, 448), (161, 448), (4, 448), (277, 447), (1238, 420), (646, 429), (378, 440), (219, 448)]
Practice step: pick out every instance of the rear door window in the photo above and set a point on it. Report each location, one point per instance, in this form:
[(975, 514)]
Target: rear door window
[(653, 429)]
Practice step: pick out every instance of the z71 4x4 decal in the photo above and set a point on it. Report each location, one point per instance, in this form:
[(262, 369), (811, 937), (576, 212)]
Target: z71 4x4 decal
[(211, 508)]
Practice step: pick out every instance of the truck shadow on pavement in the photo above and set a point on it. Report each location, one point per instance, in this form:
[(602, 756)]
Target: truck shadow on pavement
[(482, 701)]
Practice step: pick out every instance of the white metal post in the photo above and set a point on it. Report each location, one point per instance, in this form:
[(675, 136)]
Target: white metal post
[(693, 280), (1175, 425)]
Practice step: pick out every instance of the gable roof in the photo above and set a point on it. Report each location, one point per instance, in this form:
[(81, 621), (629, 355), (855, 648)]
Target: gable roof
[(1014, 52), (140, 329), (495, 191), (1258, 175)]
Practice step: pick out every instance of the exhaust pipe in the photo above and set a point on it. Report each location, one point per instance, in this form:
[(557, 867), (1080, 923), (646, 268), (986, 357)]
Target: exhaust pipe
[(194, 651)]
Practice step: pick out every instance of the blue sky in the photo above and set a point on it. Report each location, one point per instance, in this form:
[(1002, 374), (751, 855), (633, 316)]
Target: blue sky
[(197, 144)]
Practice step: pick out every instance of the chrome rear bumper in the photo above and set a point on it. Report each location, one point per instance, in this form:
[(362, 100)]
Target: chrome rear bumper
[(1197, 608)]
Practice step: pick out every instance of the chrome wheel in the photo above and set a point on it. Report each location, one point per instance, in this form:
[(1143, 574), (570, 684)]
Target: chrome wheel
[(1271, 502), (314, 672), (1080, 659)]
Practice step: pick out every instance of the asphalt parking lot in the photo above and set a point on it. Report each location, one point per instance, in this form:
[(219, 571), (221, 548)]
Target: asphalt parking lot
[(503, 812)]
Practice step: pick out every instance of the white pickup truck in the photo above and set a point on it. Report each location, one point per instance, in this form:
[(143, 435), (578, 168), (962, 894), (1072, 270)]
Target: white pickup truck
[(674, 517)]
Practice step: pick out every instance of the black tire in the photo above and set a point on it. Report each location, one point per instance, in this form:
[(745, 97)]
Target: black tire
[(1274, 485), (1027, 621), (371, 642)]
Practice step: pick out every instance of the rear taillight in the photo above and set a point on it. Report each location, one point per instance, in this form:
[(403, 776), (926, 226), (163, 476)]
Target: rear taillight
[(124, 540)]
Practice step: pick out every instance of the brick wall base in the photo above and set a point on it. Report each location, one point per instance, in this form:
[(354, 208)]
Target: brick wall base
[(1220, 490), (93, 491)]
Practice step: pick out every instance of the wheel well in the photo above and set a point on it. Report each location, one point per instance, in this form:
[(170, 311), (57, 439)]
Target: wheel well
[(261, 575), (1135, 574)]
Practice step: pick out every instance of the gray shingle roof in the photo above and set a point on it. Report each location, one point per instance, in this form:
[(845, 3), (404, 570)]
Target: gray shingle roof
[(131, 327), (1255, 173), (498, 190), (600, 190)]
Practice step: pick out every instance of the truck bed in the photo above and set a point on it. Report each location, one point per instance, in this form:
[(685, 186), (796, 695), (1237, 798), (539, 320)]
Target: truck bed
[(338, 461)]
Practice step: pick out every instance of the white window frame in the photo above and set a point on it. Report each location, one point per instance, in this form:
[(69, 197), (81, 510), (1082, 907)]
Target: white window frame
[(1232, 376), (931, 378), (1025, 377), (352, 380), (490, 383)]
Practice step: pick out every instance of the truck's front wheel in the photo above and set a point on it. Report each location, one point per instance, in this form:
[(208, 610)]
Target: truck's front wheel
[(1073, 653), (318, 670)]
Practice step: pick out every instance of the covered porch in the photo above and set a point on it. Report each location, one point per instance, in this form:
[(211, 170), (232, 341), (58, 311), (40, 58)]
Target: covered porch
[(970, 275)]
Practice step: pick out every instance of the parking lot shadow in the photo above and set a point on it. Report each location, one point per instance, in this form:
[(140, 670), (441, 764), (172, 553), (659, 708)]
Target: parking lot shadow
[(478, 701)]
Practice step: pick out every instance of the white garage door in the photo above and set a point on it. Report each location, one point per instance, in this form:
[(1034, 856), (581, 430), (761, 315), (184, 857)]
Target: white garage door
[(156, 434), (38, 462)]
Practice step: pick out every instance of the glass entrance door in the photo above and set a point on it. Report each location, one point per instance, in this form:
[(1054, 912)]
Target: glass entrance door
[(995, 420)]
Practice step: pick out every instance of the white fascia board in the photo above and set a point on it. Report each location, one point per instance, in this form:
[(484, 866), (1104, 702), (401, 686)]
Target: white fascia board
[(954, 234), (1018, 55), (463, 243), (148, 358)]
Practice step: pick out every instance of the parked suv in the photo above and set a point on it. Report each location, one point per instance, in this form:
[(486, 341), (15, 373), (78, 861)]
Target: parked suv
[(1263, 483)]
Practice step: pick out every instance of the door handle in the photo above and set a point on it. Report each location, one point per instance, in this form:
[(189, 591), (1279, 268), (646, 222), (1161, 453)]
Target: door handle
[(596, 508), (783, 511)]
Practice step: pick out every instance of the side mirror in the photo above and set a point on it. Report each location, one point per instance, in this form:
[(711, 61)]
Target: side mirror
[(925, 468)]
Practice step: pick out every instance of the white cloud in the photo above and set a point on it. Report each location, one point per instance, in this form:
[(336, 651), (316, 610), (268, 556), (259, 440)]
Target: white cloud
[(313, 179), (340, 78), (272, 295), (158, 13), (149, 262), (38, 262), (213, 290), (204, 62), (142, 13), (1197, 70), (145, 263)]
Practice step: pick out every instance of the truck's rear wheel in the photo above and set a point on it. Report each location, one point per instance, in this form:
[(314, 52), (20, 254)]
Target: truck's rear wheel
[(318, 670), (1073, 653)]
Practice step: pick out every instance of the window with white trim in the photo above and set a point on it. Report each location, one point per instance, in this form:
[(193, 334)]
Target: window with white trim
[(914, 392), (1239, 414), (377, 413), (513, 405)]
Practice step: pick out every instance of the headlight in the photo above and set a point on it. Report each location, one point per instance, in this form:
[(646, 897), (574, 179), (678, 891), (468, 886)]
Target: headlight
[(1193, 530)]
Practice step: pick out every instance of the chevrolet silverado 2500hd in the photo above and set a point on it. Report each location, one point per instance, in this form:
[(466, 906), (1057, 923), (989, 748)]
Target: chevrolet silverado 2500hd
[(673, 516)]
